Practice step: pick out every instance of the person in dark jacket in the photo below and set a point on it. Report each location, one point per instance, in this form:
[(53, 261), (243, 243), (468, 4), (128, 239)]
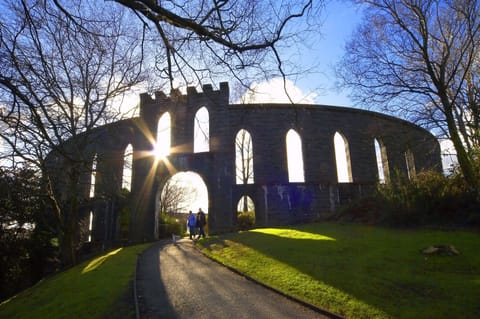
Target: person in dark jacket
[(201, 222)]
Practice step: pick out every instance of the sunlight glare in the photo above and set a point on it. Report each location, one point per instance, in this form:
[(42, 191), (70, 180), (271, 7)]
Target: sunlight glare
[(197, 189), (292, 233), (98, 261)]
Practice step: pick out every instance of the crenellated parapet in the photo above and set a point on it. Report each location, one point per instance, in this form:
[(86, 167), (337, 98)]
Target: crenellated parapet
[(150, 106)]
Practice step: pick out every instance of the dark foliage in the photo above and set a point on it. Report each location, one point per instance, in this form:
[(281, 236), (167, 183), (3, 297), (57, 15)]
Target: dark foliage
[(26, 247), (169, 225), (430, 199), (245, 220)]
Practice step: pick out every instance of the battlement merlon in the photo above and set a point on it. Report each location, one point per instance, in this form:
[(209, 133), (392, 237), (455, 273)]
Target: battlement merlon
[(221, 96), (209, 96)]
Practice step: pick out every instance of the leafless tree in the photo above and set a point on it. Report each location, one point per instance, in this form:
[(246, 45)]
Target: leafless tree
[(176, 196), (207, 39), (58, 81), (420, 59)]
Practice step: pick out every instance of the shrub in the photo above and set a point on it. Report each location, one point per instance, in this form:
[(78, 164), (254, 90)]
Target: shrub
[(245, 220), (169, 225), (428, 199)]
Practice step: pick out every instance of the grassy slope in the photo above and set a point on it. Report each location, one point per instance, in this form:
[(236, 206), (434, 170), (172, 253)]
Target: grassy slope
[(90, 290), (360, 271)]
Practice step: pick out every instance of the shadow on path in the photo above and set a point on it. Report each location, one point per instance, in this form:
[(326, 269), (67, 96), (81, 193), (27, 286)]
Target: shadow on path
[(177, 281)]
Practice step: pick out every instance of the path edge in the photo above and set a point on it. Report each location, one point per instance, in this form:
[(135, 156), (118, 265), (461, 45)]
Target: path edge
[(302, 302)]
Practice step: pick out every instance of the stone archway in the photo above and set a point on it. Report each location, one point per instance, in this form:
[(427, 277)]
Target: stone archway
[(182, 192)]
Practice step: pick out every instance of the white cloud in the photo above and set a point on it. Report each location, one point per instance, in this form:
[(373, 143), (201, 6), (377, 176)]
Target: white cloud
[(273, 91)]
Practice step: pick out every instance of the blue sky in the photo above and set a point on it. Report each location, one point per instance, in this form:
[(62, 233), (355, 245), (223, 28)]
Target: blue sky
[(341, 18), (317, 52)]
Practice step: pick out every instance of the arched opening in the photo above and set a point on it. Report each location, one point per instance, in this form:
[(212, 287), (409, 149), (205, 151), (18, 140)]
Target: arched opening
[(90, 226), (245, 204), (410, 163), (127, 168), (244, 157), (92, 176), (342, 159), (294, 157), (201, 131), (162, 148), (181, 193), (382, 161), (245, 213)]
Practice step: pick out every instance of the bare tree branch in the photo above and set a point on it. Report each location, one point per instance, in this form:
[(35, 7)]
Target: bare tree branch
[(420, 60)]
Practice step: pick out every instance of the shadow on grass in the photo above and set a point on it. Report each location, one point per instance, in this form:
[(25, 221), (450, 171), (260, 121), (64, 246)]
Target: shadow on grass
[(381, 268)]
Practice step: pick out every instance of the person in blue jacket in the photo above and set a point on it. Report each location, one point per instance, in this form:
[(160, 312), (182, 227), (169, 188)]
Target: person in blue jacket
[(191, 223)]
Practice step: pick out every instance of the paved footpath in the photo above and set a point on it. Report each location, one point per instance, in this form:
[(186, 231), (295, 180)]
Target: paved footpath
[(177, 281)]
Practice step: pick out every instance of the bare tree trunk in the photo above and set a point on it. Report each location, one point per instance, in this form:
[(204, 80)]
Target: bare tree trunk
[(464, 160)]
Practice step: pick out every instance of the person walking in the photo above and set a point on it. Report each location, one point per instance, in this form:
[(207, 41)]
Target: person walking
[(201, 222), (191, 223)]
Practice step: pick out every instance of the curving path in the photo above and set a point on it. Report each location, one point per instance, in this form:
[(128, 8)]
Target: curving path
[(177, 281)]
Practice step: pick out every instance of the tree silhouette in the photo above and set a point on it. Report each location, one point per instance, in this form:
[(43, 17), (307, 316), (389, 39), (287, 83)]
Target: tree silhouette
[(420, 60)]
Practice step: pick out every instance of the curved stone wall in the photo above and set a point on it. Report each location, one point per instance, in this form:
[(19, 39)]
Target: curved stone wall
[(276, 200)]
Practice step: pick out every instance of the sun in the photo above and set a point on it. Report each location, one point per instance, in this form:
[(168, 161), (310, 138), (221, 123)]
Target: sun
[(161, 151)]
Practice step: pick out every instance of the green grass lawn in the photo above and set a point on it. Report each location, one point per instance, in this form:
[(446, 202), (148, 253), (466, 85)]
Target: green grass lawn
[(361, 271), (98, 288)]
